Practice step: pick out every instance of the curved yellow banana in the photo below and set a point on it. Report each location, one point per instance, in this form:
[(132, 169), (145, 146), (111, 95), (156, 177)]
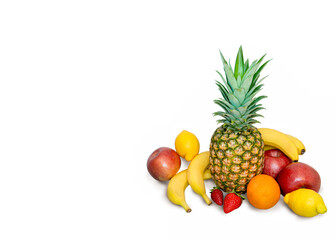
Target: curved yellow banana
[(177, 186), (207, 174), (266, 147), (195, 172), (299, 145), (280, 141), (301, 148)]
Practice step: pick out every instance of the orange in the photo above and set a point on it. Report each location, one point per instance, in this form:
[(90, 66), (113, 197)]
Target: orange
[(263, 191)]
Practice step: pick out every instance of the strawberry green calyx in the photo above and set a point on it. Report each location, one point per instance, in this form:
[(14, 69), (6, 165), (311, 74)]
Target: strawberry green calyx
[(239, 195)]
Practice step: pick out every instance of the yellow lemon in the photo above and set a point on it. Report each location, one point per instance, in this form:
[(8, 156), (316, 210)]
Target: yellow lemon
[(187, 145), (305, 202)]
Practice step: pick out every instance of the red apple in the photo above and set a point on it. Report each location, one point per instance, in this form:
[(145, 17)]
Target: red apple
[(163, 163), (298, 175), (274, 162)]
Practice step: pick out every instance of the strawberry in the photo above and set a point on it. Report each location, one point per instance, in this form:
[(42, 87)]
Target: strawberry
[(232, 201), (217, 196)]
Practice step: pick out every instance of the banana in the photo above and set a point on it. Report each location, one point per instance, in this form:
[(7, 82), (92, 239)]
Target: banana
[(267, 147), (195, 172), (207, 174), (299, 145), (280, 141), (177, 186)]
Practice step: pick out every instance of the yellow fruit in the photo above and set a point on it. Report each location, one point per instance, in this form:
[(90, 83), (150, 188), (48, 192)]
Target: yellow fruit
[(178, 184), (187, 145), (305, 202), (301, 148), (195, 174), (280, 141), (207, 174), (266, 147)]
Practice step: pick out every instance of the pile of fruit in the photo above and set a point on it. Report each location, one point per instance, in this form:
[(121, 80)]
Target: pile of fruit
[(242, 159)]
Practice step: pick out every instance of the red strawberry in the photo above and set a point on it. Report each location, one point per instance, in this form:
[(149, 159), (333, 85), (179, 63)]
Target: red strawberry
[(217, 196), (231, 202)]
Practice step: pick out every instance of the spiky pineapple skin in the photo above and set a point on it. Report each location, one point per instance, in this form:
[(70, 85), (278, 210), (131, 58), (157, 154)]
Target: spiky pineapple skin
[(236, 156)]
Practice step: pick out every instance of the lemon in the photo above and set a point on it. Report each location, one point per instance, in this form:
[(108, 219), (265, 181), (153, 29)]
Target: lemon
[(305, 202), (187, 145)]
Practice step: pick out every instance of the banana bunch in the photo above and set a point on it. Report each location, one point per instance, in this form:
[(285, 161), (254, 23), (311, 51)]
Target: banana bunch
[(194, 176), (289, 145)]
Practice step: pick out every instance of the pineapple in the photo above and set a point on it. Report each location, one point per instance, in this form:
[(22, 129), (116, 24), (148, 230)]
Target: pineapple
[(237, 148)]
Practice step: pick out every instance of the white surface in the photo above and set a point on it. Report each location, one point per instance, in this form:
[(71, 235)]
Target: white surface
[(90, 88)]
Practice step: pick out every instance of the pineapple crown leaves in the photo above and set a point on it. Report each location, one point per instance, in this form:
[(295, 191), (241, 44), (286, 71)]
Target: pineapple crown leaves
[(239, 88)]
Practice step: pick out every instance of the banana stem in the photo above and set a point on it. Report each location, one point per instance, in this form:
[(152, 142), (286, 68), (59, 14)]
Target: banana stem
[(207, 199), (186, 207)]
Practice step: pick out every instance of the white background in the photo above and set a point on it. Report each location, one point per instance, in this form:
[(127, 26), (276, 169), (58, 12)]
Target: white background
[(89, 89)]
